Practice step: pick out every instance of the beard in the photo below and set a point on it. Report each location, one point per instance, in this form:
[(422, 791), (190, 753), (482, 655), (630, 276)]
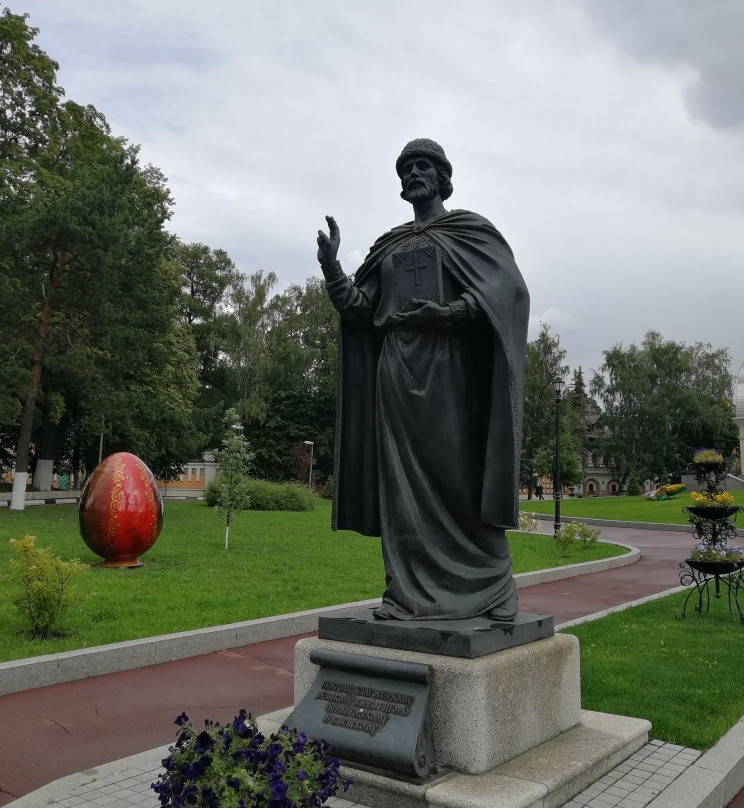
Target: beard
[(425, 190)]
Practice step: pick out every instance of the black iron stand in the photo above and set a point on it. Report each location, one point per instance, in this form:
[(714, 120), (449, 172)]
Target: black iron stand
[(732, 580)]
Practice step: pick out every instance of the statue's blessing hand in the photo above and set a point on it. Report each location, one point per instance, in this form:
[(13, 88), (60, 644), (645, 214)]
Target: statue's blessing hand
[(328, 244)]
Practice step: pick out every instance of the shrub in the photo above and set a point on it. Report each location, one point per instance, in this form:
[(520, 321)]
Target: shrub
[(267, 496), (527, 522), (634, 487), (43, 578), (326, 492), (573, 533)]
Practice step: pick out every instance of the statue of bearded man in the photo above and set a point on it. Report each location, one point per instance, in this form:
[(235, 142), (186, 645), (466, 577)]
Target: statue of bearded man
[(433, 333)]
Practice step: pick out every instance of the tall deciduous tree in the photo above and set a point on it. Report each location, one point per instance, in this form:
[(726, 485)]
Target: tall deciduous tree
[(207, 277), (94, 333), (661, 400), (301, 380)]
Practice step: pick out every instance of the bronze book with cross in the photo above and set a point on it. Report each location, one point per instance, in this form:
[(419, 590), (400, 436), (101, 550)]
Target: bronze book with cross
[(418, 274)]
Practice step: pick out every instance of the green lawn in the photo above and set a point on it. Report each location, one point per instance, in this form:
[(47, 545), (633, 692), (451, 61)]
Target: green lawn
[(278, 562), (630, 509), (685, 676)]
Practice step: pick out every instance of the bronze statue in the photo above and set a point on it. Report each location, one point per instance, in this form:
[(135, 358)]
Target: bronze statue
[(428, 433)]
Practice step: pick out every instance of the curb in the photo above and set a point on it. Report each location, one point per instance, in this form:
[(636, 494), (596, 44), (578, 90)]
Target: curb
[(717, 776), (67, 666), (713, 780), (548, 517)]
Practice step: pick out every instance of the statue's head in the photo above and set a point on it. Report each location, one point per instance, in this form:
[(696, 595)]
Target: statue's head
[(434, 153)]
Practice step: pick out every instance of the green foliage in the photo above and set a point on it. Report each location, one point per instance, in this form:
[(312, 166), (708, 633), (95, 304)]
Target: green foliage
[(92, 338), (268, 496), (576, 534), (661, 400), (634, 487), (544, 363), (234, 458), (571, 470), (264, 495), (43, 579), (326, 492)]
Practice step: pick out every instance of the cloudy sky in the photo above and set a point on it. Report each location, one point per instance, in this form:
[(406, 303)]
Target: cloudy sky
[(604, 138)]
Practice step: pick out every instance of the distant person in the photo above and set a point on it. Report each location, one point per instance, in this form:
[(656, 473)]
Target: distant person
[(539, 491)]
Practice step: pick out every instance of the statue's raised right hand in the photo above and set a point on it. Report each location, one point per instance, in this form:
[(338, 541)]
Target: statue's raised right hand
[(328, 244)]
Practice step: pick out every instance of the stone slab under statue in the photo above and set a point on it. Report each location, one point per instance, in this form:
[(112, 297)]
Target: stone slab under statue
[(470, 638)]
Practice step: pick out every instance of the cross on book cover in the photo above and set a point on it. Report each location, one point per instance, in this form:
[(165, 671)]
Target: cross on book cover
[(418, 274)]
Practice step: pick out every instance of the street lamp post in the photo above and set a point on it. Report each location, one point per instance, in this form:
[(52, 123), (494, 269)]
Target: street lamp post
[(310, 479), (558, 387)]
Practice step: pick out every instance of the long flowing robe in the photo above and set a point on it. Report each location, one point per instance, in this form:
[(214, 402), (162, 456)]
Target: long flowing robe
[(429, 423)]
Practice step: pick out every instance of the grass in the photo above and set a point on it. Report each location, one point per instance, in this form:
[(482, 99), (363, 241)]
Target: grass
[(682, 675), (278, 562), (629, 509)]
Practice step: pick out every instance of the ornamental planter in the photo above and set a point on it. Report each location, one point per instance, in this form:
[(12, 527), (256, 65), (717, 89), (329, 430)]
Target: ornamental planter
[(714, 567), (120, 513), (714, 512), (712, 525)]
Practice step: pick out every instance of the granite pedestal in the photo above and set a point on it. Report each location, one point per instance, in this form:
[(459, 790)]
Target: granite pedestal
[(487, 710), (508, 729)]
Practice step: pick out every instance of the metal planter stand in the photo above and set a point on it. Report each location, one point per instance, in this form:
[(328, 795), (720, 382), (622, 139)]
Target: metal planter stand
[(729, 575), (713, 526)]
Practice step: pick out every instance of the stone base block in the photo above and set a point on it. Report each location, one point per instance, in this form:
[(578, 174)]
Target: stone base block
[(488, 710), (544, 777)]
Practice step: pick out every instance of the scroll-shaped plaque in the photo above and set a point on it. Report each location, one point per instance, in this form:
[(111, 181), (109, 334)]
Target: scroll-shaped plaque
[(418, 274), (375, 712)]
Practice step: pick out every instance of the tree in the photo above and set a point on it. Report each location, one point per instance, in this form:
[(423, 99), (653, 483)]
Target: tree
[(92, 342), (571, 470), (247, 344), (234, 458), (301, 378), (661, 400), (544, 363), (29, 99)]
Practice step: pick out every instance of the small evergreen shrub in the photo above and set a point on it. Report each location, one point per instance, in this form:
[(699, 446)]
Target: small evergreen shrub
[(634, 487), (267, 496), (43, 578)]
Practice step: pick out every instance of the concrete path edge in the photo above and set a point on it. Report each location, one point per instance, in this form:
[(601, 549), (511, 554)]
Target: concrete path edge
[(51, 669), (684, 528), (713, 780)]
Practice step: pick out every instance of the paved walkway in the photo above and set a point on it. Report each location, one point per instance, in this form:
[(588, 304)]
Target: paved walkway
[(58, 730)]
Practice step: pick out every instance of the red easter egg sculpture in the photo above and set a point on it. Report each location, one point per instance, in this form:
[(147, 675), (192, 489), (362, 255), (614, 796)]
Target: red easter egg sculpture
[(121, 511)]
